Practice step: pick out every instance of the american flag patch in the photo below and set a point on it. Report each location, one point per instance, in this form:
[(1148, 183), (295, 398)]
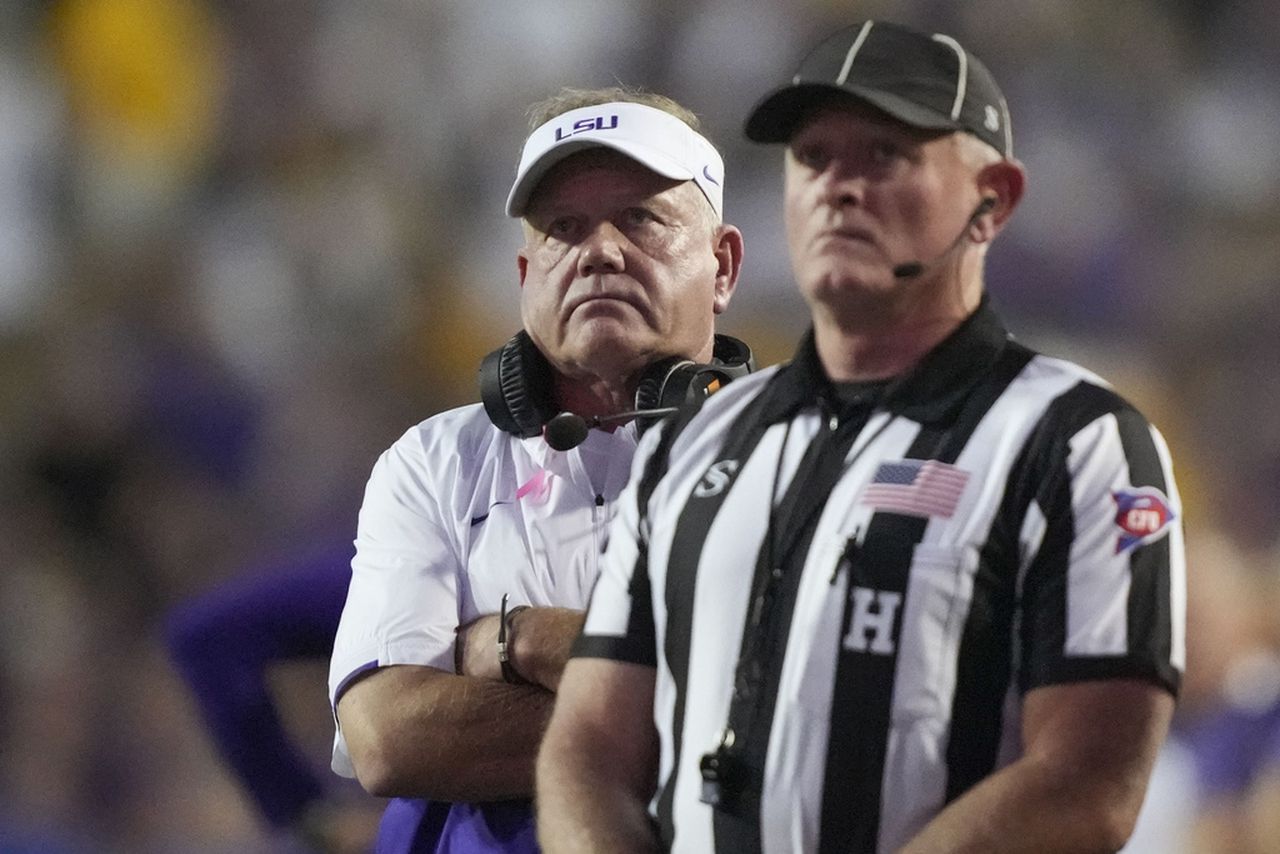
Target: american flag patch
[(916, 488)]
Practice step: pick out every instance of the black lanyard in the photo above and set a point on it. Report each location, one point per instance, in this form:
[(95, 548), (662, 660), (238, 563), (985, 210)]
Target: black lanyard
[(732, 769)]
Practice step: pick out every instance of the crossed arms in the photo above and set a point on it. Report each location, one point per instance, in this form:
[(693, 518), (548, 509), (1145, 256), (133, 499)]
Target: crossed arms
[(416, 731)]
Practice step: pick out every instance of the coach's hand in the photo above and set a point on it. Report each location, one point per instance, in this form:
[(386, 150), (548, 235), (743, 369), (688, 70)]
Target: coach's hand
[(539, 641)]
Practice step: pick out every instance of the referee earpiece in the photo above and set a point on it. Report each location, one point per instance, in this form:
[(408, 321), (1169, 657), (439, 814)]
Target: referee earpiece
[(912, 269)]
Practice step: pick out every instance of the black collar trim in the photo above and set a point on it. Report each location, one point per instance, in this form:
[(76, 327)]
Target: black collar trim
[(927, 393)]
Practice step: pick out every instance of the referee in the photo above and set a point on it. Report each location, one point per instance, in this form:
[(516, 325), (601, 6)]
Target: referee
[(921, 588)]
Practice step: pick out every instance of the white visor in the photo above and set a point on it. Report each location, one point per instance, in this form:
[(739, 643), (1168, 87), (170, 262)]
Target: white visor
[(651, 137)]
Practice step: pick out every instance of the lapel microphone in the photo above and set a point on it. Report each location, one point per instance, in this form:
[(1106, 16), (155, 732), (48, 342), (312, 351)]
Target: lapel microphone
[(912, 269), (569, 430)]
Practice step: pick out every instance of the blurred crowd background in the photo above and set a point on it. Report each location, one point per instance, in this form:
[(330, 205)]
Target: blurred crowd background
[(244, 244)]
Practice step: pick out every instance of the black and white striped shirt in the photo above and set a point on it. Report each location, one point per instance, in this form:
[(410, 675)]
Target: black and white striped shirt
[(859, 635)]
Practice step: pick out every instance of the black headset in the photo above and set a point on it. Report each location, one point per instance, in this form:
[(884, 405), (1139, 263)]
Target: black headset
[(516, 382)]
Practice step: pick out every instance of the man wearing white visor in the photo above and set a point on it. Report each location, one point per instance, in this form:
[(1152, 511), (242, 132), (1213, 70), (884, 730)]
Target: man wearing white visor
[(480, 535), (663, 142)]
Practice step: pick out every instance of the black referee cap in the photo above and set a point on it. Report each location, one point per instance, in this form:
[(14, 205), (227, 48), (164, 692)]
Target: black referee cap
[(923, 80)]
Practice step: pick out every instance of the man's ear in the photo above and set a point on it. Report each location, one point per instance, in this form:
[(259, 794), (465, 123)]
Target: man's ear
[(1004, 183), (522, 265), (728, 251)]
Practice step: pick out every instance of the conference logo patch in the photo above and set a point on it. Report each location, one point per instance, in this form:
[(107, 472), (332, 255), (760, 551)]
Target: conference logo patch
[(1143, 515)]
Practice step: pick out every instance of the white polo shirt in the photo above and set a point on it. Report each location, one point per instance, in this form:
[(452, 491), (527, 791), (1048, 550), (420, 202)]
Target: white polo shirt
[(456, 513)]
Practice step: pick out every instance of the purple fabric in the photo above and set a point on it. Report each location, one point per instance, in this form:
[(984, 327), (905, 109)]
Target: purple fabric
[(426, 827), (1270, 753), (222, 644), (197, 410), (1232, 745)]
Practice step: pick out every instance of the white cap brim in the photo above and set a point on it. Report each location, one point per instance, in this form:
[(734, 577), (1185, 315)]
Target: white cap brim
[(653, 138)]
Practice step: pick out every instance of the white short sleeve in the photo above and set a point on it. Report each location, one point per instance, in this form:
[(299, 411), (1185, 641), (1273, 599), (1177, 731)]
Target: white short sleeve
[(402, 605)]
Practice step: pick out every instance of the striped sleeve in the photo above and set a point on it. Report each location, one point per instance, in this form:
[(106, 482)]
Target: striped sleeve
[(619, 622), (1103, 595)]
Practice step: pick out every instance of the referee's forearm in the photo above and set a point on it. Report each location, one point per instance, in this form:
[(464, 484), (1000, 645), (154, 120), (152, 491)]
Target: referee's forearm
[(598, 765), (582, 810), (1020, 809), (1089, 747)]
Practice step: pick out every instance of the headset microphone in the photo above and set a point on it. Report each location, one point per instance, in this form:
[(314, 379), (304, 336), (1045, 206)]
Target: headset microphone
[(567, 430), (912, 269), (909, 270)]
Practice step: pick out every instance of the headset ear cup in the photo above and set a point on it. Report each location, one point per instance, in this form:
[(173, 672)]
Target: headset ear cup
[(675, 381), (733, 357), (515, 387), (656, 390)]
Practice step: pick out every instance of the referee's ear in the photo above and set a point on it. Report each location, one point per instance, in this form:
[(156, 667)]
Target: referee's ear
[(1004, 182)]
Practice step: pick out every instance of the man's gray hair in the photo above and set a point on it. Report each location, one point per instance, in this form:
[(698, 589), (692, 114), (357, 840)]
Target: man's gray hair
[(571, 99)]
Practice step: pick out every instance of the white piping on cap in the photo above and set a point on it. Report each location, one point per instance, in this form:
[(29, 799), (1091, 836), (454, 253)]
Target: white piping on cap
[(962, 80), (853, 51), (1008, 128)]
